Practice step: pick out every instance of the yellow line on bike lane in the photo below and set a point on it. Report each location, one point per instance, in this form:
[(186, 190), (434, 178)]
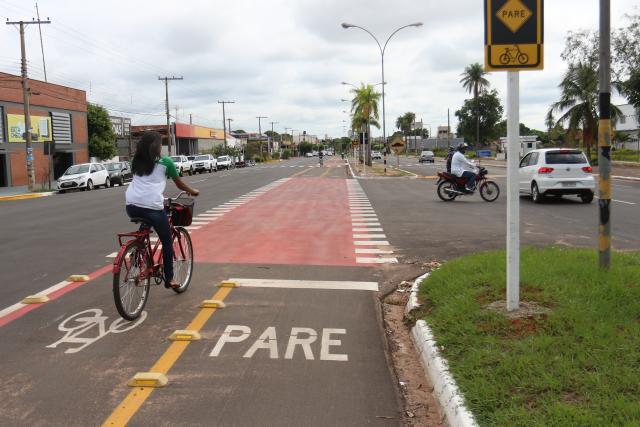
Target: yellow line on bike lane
[(136, 398)]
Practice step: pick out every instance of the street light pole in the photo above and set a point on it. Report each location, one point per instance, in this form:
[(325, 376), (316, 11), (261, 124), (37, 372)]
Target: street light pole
[(260, 131), (224, 120), (382, 51)]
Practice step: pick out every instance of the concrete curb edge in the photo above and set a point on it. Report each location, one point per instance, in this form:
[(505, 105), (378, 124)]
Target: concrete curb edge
[(436, 369)]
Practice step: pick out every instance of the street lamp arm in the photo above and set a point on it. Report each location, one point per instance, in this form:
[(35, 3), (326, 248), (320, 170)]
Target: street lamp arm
[(382, 50), (367, 31)]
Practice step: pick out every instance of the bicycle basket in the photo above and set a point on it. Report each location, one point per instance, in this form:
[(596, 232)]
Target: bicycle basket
[(182, 212)]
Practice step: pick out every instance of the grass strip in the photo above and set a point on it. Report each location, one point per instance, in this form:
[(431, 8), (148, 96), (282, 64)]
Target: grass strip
[(576, 365)]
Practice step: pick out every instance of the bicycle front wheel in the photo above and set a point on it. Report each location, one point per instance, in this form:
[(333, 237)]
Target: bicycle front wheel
[(131, 280), (182, 259)]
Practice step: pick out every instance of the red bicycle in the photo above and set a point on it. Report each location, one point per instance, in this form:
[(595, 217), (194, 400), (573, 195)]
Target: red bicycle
[(138, 261)]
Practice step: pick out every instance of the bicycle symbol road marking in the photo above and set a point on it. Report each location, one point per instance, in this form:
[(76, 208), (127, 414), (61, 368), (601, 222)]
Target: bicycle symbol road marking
[(85, 323)]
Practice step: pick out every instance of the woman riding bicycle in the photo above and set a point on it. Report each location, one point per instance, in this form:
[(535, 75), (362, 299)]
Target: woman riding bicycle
[(144, 197)]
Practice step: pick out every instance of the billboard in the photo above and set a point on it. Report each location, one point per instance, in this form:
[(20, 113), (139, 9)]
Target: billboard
[(40, 126)]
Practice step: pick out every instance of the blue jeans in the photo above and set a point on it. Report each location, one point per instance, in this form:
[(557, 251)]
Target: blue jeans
[(160, 223), (471, 178)]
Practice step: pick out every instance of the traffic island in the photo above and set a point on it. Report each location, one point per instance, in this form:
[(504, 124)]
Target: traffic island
[(377, 171), (569, 356)]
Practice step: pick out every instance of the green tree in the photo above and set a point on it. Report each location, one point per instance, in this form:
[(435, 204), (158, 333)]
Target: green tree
[(490, 113), (579, 102), (405, 121), (474, 82), (305, 147), (102, 139), (364, 109)]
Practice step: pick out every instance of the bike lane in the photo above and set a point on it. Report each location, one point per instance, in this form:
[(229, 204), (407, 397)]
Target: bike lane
[(299, 340)]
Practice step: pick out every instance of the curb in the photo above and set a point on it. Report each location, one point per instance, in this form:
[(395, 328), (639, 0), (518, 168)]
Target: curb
[(351, 170), (436, 369), (26, 196)]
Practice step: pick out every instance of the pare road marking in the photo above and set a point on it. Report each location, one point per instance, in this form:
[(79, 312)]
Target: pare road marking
[(302, 338), (89, 326)]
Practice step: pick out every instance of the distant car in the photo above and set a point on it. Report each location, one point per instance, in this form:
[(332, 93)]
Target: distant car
[(556, 172), (119, 172), (309, 154), (205, 163), (426, 156), (225, 162), (183, 164), (376, 155), (86, 176)]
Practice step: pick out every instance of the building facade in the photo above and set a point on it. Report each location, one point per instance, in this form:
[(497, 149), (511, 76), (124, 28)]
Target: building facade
[(58, 117), (628, 124)]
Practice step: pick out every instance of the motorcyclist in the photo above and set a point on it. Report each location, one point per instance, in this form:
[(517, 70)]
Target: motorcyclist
[(464, 168)]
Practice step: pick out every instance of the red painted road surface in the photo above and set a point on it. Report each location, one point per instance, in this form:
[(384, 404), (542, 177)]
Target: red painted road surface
[(305, 221)]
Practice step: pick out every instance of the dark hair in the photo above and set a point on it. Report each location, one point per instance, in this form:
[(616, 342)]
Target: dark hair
[(147, 153)]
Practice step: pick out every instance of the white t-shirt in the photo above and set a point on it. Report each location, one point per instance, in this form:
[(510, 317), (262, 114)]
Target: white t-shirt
[(148, 191), (459, 164)]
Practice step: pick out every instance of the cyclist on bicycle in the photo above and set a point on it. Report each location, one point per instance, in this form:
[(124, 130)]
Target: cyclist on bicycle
[(320, 155), (144, 196)]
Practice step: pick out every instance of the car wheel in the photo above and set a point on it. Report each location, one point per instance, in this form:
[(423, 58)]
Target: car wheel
[(535, 194), (190, 172), (107, 183), (180, 172), (89, 186), (61, 191), (586, 197)]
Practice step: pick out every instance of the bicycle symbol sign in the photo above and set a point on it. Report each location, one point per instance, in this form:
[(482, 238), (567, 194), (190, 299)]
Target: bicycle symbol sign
[(89, 326), (514, 35)]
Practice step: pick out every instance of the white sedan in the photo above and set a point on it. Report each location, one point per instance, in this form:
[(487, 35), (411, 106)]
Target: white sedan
[(556, 172), (86, 176)]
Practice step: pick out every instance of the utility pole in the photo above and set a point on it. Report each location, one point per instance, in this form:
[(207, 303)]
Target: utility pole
[(260, 131), (224, 121), (166, 91), (44, 64), (272, 138), (604, 138), (25, 96), (448, 131)]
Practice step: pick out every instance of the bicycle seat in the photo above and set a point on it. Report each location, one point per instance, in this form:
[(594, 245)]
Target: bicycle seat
[(142, 221)]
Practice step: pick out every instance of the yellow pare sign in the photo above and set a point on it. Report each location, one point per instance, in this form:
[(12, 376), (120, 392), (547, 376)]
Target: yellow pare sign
[(514, 35)]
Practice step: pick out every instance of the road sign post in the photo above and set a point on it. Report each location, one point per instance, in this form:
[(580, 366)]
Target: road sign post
[(513, 42)]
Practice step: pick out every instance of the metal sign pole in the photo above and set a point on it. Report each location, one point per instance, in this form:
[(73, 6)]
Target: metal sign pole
[(513, 190)]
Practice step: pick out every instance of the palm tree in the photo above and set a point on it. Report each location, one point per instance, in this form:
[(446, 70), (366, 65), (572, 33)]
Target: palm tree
[(550, 122), (579, 102), (364, 107), (474, 82), (404, 123)]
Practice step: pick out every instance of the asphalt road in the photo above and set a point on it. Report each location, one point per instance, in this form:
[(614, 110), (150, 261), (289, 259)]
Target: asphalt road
[(306, 349)]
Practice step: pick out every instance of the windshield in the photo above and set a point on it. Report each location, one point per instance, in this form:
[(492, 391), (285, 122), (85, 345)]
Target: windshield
[(176, 158), (223, 158), (565, 157), (75, 169), (202, 158), (113, 166)]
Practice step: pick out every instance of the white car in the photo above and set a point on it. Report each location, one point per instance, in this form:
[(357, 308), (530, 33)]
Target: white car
[(86, 176), (309, 154), (205, 163), (183, 164), (225, 162), (376, 155), (556, 172)]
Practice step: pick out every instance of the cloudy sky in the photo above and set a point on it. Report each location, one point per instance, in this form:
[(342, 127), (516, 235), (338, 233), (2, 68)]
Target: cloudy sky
[(283, 59)]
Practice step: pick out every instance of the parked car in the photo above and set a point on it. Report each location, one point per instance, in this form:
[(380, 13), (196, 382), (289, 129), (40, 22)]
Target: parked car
[(225, 162), (183, 164), (309, 154), (86, 176), (205, 163), (426, 156), (556, 172), (376, 155), (119, 172)]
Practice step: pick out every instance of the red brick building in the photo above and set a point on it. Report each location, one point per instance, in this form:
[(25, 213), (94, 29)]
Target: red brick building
[(58, 114)]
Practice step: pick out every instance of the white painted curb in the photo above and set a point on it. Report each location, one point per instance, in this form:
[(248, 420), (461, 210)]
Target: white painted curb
[(353, 175), (435, 367)]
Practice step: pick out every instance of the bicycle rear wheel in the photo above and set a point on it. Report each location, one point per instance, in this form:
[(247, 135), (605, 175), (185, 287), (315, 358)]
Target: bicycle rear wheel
[(131, 281), (182, 259)]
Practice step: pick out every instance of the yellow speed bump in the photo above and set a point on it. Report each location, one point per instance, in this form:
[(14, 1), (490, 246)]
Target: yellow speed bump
[(78, 278), (212, 303), (185, 335), (35, 299), (228, 284), (149, 379)]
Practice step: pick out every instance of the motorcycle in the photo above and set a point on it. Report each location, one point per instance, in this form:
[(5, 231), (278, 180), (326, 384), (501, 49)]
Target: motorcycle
[(451, 186)]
